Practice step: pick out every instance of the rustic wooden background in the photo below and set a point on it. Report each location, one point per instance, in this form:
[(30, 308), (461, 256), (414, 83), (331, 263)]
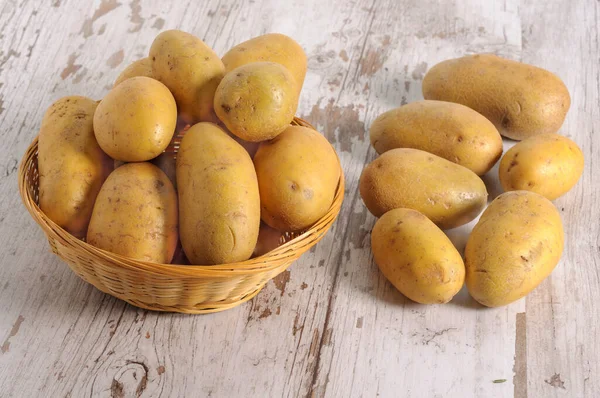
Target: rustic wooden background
[(331, 325)]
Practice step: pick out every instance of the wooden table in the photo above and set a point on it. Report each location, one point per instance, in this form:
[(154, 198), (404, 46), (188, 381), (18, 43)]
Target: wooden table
[(331, 325)]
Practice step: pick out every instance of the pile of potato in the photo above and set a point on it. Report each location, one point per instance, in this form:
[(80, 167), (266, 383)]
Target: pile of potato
[(427, 178), (239, 161)]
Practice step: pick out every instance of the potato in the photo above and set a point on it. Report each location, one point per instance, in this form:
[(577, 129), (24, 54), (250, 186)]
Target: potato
[(417, 257), (141, 67), (298, 173), (272, 47), (268, 239), (448, 194), (521, 100), (191, 70), (71, 165), (548, 164), (166, 162), (256, 101), (515, 245), (451, 131), (218, 197), (136, 214), (136, 120)]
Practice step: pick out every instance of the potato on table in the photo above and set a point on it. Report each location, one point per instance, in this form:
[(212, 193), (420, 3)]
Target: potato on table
[(141, 67), (71, 165), (521, 100)]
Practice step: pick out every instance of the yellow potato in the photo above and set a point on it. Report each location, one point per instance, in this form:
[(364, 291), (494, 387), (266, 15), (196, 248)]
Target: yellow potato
[(268, 239), (298, 173), (448, 194), (218, 197), (71, 165), (272, 47), (166, 162), (141, 67), (191, 70), (256, 101), (451, 131), (136, 214), (548, 164), (521, 100), (136, 120), (417, 257), (515, 245)]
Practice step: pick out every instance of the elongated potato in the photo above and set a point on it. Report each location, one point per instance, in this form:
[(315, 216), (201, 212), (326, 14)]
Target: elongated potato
[(71, 165), (515, 245), (136, 214), (451, 131), (191, 70), (141, 67), (548, 164), (272, 47), (219, 201), (521, 100), (448, 194), (417, 257)]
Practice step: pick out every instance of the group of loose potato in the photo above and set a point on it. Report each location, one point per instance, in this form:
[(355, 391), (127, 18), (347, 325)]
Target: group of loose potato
[(427, 179), (240, 160)]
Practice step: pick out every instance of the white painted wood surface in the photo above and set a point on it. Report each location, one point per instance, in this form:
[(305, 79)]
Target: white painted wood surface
[(331, 325)]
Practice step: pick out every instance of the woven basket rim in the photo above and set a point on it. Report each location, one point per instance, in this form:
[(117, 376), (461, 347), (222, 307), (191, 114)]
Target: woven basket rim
[(290, 249)]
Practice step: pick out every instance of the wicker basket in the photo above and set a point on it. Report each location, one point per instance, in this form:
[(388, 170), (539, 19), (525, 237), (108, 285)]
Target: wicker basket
[(164, 287)]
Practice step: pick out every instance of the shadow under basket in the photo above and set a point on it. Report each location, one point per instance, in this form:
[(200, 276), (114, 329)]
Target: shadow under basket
[(191, 289)]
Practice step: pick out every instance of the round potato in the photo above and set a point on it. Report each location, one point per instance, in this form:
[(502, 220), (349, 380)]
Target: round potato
[(417, 257), (256, 101), (135, 214), (218, 197), (452, 131), (141, 67), (136, 120), (548, 164), (298, 173), (521, 100), (272, 47), (515, 245), (71, 165), (448, 194), (191, 70)]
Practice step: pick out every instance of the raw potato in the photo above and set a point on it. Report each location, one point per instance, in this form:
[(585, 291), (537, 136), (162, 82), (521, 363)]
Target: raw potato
[(219, 201), (191, 70), (417, 257), (256, 101), (452, 131), (71, 165), (521, 100), (136, 120), (136, 214), (298, 173), (141, 67), (515, 245), (272, 47), (548, 164), (268, 239), (448, 194)]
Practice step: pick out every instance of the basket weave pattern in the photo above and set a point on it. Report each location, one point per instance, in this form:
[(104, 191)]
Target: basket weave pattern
[(164, 287)]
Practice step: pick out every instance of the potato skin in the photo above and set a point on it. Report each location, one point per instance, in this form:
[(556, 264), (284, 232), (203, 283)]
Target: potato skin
[(141, 67), (548, 164), (191, 70), (218, 197), (298, 172), (136, 120), (451, 131), (272, 47), (136, 214), (417, 257), (71, 165), (411, 178), (515, 245), (521, 100), (256, 101)]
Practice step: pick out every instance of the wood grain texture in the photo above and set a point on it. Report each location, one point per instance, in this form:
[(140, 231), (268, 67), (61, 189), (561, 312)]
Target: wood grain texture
[(331, 325)]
